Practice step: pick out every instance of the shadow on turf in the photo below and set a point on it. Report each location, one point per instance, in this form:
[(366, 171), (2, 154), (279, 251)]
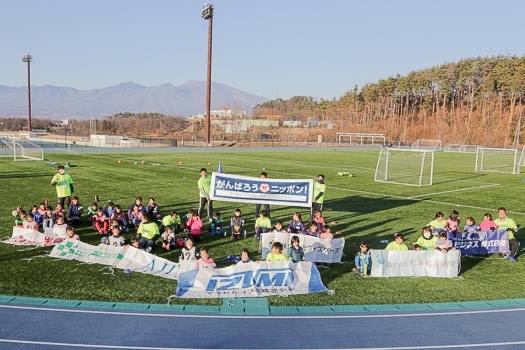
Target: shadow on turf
[(464, 176), (14, 175)]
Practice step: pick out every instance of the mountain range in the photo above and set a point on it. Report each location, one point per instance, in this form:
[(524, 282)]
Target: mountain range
[(66, 102)]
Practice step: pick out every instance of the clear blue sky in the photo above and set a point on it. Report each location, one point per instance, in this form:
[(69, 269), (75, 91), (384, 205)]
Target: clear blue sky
[(273, 48)]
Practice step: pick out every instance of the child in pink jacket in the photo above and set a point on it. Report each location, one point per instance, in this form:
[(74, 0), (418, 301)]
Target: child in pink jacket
[(194, 225)]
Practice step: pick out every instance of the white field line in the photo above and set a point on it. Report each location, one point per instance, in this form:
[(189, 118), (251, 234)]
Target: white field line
[(104, 346), (377, 194), (271, 317), (456, 190)]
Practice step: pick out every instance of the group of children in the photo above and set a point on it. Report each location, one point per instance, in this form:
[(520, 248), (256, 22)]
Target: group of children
[(440, 233)]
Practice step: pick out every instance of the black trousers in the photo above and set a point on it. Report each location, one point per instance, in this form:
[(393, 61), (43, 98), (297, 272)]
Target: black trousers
[(202, 204), (514, 245), (63, 200), (316, 207)]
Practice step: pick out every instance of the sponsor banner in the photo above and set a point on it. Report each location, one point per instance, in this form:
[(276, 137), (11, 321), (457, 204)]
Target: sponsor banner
[(254, 279), (138, 260), (482, 243), (245, 189), (125, 258), (415, 263), (24, 237), (75, 250), (329, 250)]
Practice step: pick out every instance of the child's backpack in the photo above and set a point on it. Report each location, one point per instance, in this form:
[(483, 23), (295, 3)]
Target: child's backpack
[(179, 243)]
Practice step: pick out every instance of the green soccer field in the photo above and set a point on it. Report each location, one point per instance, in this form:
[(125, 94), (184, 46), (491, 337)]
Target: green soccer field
[(362, 209)]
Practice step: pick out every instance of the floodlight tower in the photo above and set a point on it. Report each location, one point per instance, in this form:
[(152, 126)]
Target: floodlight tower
[(207, 14), (28, 59)]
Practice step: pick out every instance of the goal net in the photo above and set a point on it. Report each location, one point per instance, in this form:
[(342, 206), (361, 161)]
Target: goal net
[(434, 145), (359, 138), (405, 167), (497, 160)]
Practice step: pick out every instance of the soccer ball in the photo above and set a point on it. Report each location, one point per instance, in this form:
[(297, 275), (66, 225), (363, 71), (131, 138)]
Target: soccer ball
[(180, 162), (209, 163), (119, 161)]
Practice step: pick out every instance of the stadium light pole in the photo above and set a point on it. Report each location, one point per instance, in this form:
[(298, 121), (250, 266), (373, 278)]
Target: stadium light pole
[(28, 58), (207, 14)]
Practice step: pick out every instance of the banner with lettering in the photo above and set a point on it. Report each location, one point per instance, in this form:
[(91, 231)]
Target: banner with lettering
[(415, 263), (482, 243), (246, 189), (125, 258), (253, 279), (27, 237), (329, 250)]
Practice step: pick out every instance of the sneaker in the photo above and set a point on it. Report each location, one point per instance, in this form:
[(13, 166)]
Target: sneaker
[(148, 249), (511, 259)]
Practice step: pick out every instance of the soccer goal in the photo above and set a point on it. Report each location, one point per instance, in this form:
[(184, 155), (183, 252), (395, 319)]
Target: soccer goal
[(405, 167), (497, 160), (421, 144), (20, 148), (359, 139), (522, 157)]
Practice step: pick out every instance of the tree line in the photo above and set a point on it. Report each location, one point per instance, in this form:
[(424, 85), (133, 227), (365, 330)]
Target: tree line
[(473, 101)]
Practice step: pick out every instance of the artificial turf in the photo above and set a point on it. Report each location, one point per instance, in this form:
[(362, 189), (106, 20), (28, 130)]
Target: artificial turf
[(362, 210)]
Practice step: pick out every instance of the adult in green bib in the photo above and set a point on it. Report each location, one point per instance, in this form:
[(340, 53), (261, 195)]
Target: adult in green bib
[(204, 185), (319, 191), (64, 185)]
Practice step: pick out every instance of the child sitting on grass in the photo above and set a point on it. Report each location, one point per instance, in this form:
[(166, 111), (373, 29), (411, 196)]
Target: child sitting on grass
[(362, 260), (263, 224), (398, 244), (59, 212), (153, 209), (487, 224), (296, 252), (296, 225), (438, 223), (471, 227), (215, 228), (92, 213), (147, 231), (237, 225), (205, 261), (17, 214), (168, 238), (71, 234), (453, 223), (319, 220), (120, 217), (427, 240), (277, 253), (278, 228), (245, 257), (194, 226), (116, 239), (75, 211), (59, 228), (189, 252), (48, 220), (136, 216), (313, 230), (443, 243), (101, 223), (172, 219)]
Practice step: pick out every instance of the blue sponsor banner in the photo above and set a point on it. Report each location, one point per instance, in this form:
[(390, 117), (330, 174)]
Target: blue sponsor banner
[(482, 243), (245, 189), (251, 280)]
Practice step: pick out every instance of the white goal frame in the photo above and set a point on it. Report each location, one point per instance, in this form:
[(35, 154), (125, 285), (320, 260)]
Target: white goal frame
[(359, 138), (522, 157), (480, 160), (19, 152), (418, 144), (427, 156)]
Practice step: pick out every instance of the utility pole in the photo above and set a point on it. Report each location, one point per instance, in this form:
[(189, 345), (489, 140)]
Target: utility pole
[(28, 59), (207, 14)]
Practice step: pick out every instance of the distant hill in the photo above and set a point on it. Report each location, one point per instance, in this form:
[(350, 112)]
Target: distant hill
[(65, 102)]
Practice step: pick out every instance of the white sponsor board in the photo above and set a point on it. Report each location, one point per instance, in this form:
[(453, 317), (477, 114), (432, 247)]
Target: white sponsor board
[(415, 263), (26, 237), (328, 250)]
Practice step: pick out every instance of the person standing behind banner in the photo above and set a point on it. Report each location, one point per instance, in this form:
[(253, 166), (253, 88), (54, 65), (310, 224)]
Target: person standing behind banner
[(266, 207), (64, 185), (319, 191), (204, 185)]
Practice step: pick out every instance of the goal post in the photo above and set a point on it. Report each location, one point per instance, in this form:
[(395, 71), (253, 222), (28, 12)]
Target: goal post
[(497, 160), (359, 138), (405, 167), (20, 148), (460, 148), (423, 144), (522, 157)]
